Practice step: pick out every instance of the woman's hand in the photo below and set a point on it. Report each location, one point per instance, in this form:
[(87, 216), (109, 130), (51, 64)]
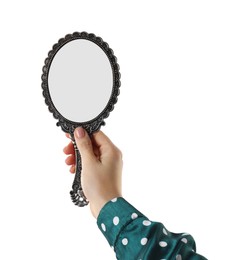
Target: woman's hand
[(101, 176)]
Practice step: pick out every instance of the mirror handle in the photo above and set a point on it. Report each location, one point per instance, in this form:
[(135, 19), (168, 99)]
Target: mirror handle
[(77, 195)]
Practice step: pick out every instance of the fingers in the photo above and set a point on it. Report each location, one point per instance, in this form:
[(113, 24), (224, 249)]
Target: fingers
[(72, 169), (105, 146), (69, 149), (84, 145), (100, 139), (103, 142), (70, 160), (98, 147)]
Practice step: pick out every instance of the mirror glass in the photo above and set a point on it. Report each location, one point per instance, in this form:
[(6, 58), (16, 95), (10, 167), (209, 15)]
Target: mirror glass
[(80, 80)]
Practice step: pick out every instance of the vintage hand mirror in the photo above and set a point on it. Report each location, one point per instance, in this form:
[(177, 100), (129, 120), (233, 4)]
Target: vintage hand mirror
[(80, 83)]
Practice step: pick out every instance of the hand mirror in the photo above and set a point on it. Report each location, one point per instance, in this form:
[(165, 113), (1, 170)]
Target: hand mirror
[(80, 83)]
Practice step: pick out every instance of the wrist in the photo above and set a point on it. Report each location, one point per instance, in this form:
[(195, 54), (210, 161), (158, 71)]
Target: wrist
[(98, 205)]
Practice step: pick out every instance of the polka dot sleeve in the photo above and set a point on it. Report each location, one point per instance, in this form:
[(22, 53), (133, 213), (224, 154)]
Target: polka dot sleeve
[(133, 236)]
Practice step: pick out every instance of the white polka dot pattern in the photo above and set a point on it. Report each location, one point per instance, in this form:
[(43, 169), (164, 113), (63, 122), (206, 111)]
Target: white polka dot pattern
[(144, 241), (184, 240), (118, 224), (134, 215), (178, 257), (116, 220), (146, 223), (124, 241), (103, 227), (162, 244)]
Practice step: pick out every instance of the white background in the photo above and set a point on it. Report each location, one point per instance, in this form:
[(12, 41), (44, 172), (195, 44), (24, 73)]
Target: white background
[(181, 122)]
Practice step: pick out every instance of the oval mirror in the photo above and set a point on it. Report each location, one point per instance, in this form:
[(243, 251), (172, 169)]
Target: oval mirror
[(80, 83)]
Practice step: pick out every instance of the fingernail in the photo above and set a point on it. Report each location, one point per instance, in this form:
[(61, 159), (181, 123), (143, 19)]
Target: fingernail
[(80, 132)]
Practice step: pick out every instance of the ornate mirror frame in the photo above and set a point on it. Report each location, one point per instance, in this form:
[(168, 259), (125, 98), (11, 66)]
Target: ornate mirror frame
[(91, 126)]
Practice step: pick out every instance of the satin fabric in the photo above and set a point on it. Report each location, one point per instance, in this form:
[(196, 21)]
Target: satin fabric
[(133, 236)]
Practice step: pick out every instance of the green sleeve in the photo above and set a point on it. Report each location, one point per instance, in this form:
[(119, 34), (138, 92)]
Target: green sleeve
[(132, 236)]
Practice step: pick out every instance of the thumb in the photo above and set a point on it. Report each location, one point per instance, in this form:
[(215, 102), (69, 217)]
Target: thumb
[(84, 144)]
